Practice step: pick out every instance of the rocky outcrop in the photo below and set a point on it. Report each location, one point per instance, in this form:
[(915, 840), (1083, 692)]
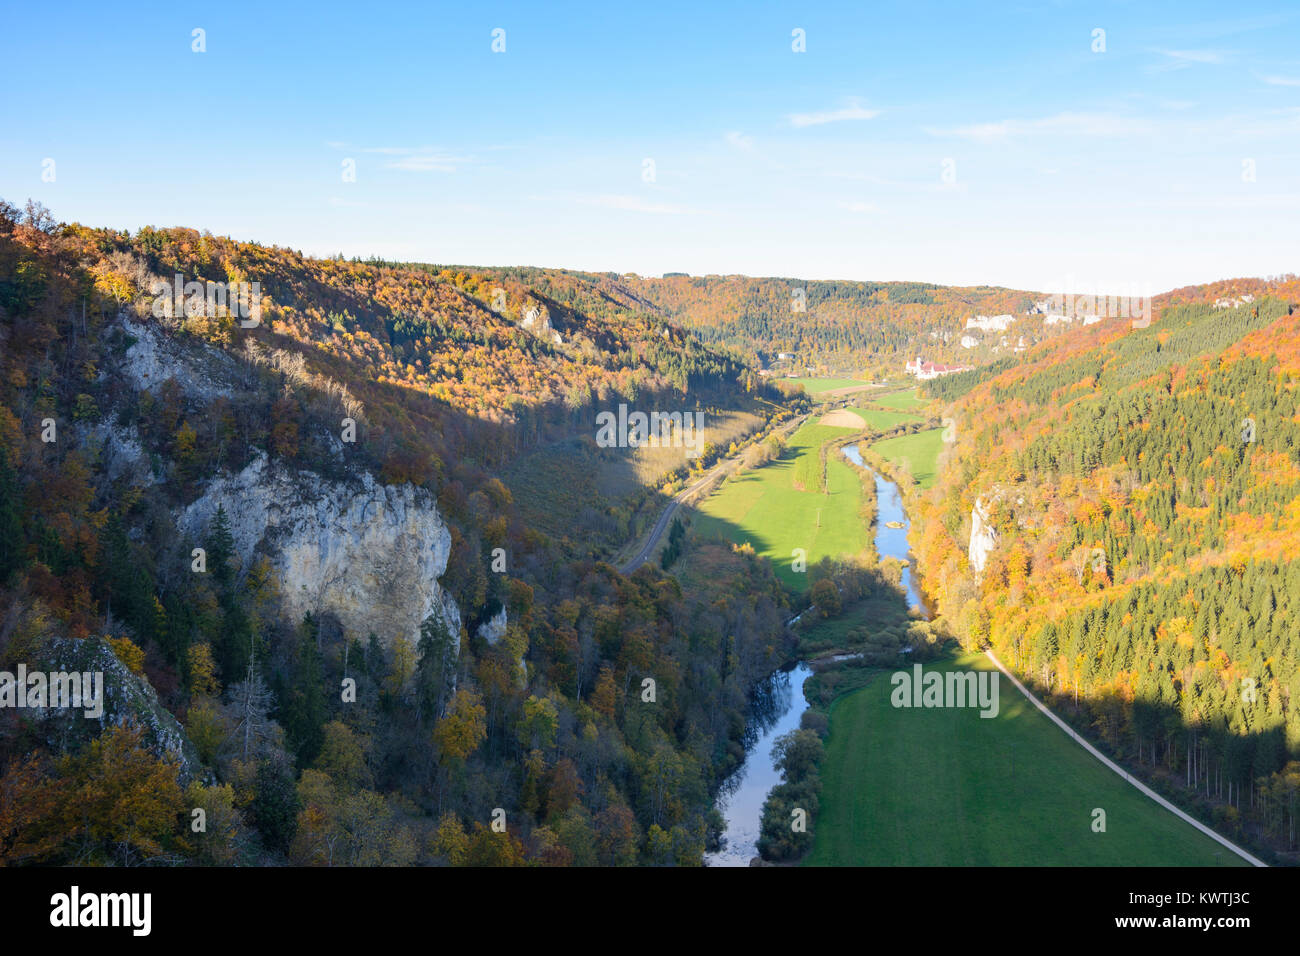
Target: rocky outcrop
[(126, 698), (983, 537), (494, 628), (537, 319), (371, 554), (154, 357), (120, 451)]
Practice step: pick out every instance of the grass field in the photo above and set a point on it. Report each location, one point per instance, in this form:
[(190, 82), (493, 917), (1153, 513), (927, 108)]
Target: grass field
[(906, 400), (765, 509), (935, 787), (814, 386), (920, 451), (877, 418)]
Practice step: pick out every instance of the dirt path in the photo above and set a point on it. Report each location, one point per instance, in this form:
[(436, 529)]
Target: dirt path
[(850, 390), (841, 418)]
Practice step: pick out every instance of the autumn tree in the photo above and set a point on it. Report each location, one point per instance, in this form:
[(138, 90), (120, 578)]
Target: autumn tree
[(459, 733)]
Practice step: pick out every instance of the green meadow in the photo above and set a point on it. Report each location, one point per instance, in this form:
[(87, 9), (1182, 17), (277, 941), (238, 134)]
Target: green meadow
[(905, 400), (780, 506), (814, 386), (918, 451), (947, 787), (881, 419)]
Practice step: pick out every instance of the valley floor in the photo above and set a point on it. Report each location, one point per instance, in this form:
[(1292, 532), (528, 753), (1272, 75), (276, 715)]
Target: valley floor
[(946, 787)]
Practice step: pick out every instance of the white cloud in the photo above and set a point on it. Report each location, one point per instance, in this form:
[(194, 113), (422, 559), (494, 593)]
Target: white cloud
[(852, 112), (1060, 124), (740, 141), (980, 132), (1195, 56), (627, 203), (860, 207), (1276, 80), (1201, 201), (413, 159), (428, 163), (1181, 59), (1268, 123)]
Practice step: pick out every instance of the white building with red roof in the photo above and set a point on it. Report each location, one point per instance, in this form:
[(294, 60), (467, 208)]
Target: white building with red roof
[(928, 370)]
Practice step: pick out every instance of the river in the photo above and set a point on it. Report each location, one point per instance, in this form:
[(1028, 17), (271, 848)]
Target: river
[(891, 542), (779, 702), (778, 707)]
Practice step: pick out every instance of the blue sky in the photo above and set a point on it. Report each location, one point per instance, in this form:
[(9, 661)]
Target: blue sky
[(1067, 166)]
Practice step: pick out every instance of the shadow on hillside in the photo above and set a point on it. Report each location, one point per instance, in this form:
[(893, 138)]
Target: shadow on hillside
[(1211, 770)]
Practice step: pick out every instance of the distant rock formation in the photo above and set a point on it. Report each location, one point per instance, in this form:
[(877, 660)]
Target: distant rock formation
[(537, 319), (983, 537)]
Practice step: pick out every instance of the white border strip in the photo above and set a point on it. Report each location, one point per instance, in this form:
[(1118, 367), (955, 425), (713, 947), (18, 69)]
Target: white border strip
[(1252, 860)]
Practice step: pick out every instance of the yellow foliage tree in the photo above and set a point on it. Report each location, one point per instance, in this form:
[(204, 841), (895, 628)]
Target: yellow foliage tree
[(460, 732)]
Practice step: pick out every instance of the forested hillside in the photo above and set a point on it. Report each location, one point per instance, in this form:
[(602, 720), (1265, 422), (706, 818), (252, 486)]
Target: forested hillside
[(1142, 487), (587, 714), (858, 327)]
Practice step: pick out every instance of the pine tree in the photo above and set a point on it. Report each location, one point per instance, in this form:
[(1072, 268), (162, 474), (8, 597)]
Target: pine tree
[(12, 552), (304, 709), (433, 673), (221, 547)]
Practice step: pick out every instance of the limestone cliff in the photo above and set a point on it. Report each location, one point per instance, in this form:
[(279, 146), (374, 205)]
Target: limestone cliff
[(369, 553), (537, 319), (153, 357), (983, 537)]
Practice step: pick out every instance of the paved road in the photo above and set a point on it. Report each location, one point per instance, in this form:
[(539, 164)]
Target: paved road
[(658, 530), (661, 525)]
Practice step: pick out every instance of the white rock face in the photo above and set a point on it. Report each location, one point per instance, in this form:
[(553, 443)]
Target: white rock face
[(198, 369), (370, 553), (121, 451), (493, 629), (991, 323), (126, 697), (983, 538), (537, 319)]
